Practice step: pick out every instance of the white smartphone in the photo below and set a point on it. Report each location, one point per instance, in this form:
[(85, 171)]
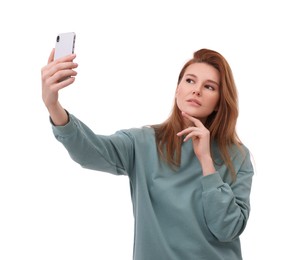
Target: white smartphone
[(65, 43)]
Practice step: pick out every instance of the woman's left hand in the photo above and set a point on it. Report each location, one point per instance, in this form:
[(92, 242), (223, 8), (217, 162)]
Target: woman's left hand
[(200, 137)]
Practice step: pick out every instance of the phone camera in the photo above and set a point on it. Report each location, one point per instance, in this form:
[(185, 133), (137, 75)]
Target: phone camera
[(58, 38)]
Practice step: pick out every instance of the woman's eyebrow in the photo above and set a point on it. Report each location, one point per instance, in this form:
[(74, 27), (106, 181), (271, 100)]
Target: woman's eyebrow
[(212, 81), (191, 75)]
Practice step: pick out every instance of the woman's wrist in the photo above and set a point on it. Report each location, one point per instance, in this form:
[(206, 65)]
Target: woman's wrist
[(58, 115), (207, 165)]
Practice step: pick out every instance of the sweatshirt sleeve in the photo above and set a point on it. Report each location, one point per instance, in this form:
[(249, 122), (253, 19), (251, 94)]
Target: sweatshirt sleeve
[(227, 206), (112, 154)]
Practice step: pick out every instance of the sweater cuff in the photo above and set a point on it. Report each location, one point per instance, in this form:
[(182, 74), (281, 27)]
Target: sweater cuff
[(211, 181), (51, 122), (66, 129)]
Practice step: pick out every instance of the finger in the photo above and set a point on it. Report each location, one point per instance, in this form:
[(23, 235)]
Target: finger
[(51, 57), (64, 83), (55, 65), (45, 68), (62, 66), (50, 70), (62, 74), (55, 88), (186, 131), (192, 134)]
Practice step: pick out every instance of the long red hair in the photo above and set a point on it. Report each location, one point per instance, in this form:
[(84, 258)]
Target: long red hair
[(221, 123)]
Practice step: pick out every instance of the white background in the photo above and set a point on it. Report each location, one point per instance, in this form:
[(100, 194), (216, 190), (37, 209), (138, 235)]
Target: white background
[(129, 55)]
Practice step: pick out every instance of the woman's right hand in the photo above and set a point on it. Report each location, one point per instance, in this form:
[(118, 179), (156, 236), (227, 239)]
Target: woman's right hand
[(53, 74), (57, 74)]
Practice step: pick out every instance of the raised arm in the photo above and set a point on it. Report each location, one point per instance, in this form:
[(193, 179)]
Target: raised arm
[(57, 74)]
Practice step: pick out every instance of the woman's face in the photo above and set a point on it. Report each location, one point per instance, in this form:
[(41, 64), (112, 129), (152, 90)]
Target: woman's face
[(198, 92)]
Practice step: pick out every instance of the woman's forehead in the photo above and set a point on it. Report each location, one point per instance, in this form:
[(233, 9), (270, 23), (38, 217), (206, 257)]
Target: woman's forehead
[(203, 71)]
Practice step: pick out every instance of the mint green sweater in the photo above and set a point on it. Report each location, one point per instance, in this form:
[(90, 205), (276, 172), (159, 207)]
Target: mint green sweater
[(180, 215)]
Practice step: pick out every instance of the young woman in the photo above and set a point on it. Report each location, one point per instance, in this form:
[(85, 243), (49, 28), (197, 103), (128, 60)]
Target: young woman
[(190, 176)]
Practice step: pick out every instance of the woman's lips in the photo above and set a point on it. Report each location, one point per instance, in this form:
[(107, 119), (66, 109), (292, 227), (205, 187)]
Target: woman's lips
[(194, 102)]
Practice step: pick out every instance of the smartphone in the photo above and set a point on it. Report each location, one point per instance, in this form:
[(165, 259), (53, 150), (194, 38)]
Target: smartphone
[(65, 43)]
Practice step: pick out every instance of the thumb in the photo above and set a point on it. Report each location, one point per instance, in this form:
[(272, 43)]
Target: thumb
[(51, 57)]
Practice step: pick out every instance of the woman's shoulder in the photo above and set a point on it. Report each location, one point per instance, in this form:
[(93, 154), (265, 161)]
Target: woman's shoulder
[(236, 151), (138, 132)]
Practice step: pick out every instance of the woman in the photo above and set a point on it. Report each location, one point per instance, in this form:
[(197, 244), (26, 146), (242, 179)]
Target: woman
[(190, 176)]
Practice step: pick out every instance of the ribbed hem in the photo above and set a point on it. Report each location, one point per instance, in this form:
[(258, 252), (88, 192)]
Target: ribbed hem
[(66, 129)]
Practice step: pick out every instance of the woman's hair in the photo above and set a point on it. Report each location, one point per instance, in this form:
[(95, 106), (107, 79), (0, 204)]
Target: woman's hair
[(221, 123)]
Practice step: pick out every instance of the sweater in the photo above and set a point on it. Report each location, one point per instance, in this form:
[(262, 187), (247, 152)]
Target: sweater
[(179, 214)]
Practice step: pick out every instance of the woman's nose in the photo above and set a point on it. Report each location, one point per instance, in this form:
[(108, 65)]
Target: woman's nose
[(198, 90), (197, 93)]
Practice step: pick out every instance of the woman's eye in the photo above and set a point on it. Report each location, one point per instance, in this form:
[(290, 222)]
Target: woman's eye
[(190, 81), (209, 87)]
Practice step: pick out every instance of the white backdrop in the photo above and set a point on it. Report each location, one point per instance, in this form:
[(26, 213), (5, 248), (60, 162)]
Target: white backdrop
[(129, 55)]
